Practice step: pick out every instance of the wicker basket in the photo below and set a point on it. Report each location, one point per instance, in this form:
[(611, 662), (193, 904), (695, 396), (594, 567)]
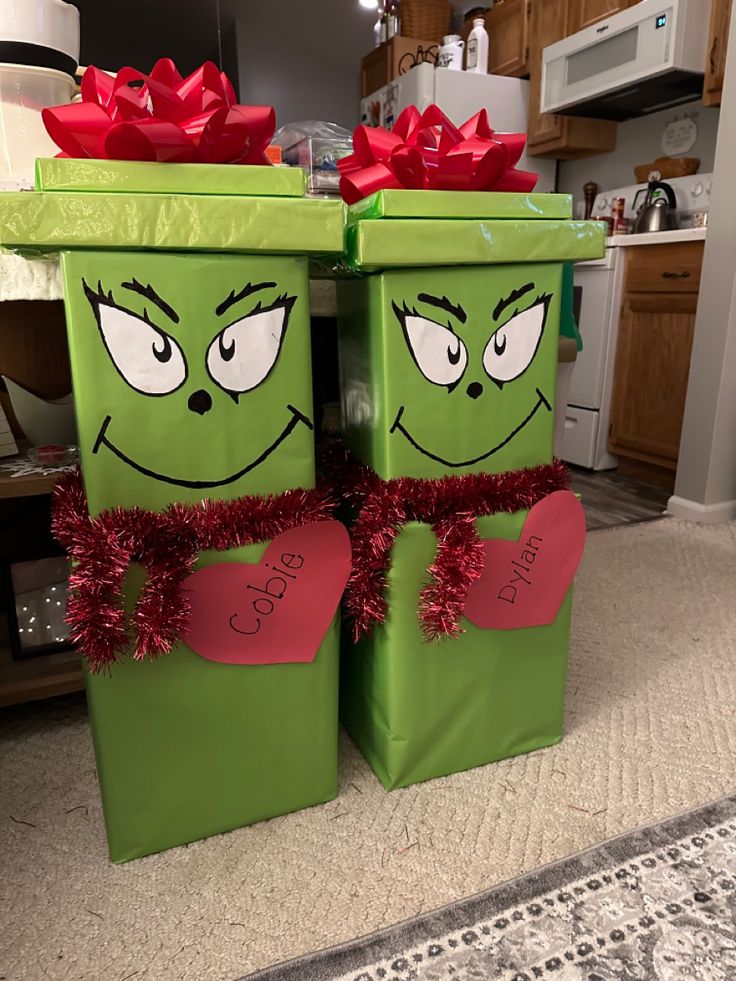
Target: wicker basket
[(668, 167), (425, 18)]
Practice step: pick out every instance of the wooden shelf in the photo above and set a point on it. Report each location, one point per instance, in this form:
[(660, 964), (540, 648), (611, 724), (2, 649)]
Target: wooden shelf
[(28, 486), (37, 677)]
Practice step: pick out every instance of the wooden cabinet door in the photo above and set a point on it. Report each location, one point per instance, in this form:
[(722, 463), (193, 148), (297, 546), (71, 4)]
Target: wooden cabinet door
[(655, 340), (547, 25), (583, 13), (715, 63), (507, 24)]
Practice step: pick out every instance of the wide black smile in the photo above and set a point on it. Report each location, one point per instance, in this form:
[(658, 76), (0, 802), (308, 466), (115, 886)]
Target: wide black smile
[(296, 418), (541, 401)]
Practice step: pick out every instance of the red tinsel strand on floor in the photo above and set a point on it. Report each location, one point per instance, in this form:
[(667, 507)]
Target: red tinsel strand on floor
[(451, 505), (167, 544)]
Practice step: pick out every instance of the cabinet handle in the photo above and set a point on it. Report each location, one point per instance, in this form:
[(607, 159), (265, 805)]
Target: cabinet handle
[(676, 275)]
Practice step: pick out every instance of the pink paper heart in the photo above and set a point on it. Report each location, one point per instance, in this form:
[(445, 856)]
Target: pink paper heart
[(276, 611), (524, 583)]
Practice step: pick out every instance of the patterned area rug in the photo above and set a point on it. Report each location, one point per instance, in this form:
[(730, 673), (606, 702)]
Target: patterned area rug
[(658, 904)]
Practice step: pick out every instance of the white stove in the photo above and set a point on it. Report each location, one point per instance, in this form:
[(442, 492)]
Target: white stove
[(598, 286), (691, 193)]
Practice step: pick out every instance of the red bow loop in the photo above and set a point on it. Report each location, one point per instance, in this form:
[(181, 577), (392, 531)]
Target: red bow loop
[(427, 150), (162, 117)]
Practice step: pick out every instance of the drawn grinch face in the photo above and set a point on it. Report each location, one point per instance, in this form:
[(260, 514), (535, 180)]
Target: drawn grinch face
[(201, 376), (472, 356)]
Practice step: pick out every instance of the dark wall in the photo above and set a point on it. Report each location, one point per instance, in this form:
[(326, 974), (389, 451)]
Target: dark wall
[(137, 32)]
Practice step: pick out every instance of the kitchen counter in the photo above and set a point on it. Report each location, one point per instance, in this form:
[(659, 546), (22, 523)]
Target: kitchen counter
[(658, 238)]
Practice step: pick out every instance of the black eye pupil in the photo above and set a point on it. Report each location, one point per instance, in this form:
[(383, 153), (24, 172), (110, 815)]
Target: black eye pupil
[(499, 348), (226, 353), (453, 358), (164, 354)]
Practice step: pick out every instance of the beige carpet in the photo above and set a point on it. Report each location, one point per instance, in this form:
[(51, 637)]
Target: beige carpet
[(651, 730)]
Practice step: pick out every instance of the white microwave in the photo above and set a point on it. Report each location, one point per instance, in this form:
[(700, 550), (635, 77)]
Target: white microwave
[(646, 58)]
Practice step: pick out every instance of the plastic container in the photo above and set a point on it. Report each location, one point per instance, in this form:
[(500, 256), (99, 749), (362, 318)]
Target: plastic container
[(24, 92), (315, 145)]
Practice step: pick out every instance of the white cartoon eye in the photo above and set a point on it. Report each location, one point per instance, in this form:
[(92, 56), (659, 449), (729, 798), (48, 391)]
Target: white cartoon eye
[(148, 359), (243, 353), (511, 349), (438, 352)]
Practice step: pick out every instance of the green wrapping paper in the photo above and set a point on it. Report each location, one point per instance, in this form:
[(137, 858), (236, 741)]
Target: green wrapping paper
[(144, 177), (50, 220), (145, 438), (448, 359), (419, 710), (374, 245), (191, 380), (468, 204), (399, 417)]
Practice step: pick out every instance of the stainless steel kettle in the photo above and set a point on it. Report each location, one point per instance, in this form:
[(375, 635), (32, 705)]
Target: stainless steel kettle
[(657, 214)]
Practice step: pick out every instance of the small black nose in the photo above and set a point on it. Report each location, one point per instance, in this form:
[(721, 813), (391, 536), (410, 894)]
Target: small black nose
[(474, 389), (200, 402)]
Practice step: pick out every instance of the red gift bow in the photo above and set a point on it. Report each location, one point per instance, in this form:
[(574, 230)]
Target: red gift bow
[(168, 118), (428, 151)]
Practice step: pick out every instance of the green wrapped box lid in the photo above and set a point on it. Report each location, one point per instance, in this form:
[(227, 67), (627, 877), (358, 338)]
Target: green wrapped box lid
[(46, 221), (460, 204), (374, 245), (144, 177), (449, 228)]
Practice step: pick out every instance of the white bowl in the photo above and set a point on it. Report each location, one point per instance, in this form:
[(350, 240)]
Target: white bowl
[(49, 24), (24, 92)]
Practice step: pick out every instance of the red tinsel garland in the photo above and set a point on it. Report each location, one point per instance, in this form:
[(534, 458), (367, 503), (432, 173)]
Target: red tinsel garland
[(450, 505), (167, 544)]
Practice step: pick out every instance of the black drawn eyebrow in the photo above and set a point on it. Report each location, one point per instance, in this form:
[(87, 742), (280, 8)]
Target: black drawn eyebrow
[(150, 294), (444, 304), (237, 297), (513, 296)]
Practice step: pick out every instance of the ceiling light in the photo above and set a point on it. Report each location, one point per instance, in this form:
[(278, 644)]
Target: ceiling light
[(369, 4)]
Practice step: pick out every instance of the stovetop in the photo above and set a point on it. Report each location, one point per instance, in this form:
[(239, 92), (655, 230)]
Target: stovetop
[(691, 193)]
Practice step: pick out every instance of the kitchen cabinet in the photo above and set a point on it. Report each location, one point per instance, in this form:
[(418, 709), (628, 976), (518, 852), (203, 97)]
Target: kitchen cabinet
[(715, 65), (583, 13), (562, 137), (507, 24), (655, 338)]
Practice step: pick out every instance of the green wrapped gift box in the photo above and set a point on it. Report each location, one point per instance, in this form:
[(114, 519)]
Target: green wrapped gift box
[(144, 177), (448, 359), (46, 220), (423, 205), (191, 375)]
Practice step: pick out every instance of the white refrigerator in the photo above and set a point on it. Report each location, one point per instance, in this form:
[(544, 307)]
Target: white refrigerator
[(460, 95)]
